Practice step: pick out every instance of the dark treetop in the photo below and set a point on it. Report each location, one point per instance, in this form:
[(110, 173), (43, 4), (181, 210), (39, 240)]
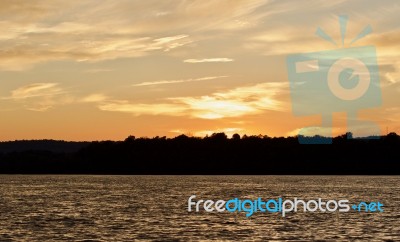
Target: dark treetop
[(215, 154)]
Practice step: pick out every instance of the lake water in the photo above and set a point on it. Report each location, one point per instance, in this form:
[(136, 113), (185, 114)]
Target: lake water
[(127, 208)]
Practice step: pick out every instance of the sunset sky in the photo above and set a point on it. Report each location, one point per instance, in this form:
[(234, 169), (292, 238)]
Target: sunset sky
[(97, 70)]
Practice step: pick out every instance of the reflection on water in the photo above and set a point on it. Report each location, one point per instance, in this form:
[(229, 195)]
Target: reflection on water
[(123, 208)]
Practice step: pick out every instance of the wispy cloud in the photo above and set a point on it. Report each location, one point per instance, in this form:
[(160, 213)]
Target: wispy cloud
[(36, 32), (240, 101), (44, 96), (97, 70), (19, 57), (35, 90), (236, 102), (39, 96), (208, 60), (162, 82), (144, 109), (94, 98), (170, 42)]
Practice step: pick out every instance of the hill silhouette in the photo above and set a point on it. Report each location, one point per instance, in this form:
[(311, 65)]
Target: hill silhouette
[(48, 145), (215, 154)]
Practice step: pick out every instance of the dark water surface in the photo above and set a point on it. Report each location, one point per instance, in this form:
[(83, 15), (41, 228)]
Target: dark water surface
[(127, 208)]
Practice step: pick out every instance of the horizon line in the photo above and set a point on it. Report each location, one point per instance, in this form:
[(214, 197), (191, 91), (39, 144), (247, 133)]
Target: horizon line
[(206, 136)]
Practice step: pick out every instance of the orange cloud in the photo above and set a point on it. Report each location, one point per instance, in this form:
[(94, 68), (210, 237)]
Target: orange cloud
[(240, 101), (162, 82), (220, 59)]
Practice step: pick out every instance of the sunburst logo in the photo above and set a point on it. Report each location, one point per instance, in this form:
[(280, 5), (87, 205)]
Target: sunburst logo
[(345, 79)]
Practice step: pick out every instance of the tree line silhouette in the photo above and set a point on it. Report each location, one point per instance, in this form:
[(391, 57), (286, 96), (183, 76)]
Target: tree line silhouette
[(214, 154)]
